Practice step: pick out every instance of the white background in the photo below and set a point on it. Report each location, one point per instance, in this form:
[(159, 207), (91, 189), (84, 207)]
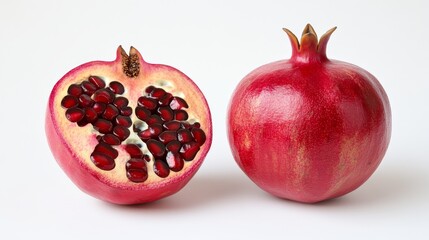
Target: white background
[(216, 43)]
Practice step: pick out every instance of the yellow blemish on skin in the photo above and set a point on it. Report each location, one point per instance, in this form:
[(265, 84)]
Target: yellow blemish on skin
[(247, 141), (347, 163), (300, 167)]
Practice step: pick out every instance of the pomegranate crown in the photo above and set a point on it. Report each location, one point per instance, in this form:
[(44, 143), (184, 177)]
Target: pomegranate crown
[(310, 48)]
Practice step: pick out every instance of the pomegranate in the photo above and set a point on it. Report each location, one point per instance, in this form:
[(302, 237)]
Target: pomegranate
[(127, 131), (309, 128)]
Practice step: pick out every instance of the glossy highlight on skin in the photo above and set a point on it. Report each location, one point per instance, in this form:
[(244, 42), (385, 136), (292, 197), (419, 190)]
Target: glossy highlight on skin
[(309, 128)]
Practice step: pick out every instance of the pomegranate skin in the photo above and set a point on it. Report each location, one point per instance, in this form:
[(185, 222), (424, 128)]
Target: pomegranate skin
[(73, 155), (309, 129)]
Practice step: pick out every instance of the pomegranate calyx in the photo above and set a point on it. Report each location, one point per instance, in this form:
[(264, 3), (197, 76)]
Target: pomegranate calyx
[(130, 62), (310, 48)]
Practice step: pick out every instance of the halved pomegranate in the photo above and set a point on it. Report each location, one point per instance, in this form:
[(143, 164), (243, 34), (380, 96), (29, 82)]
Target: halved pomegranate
[(128, 131)]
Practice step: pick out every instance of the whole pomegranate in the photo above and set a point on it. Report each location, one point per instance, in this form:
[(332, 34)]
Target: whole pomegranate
[(128, 131), (309, 128)]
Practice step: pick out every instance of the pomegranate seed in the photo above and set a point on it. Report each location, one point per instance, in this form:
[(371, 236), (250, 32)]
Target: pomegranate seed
[(196, 125), (155, 147), (138, 163), (178, 103), (127, 111), (90, 114), (104, 96), (161, 169), (111, 139), (155, 129), (117, 87), (167, 136), (186, 125), (75, 114), (165, 100), (98, 82), (111, 112), (99, 107), (120, 102), (82, 123), (142, 113), (199, 135), (145, 135), (172, 125), (102, 161), (103, 125), (88, 87), (165, 113), (189, 150), (85, 100), (184, 136), (121, 132), (123, 121), (133, 150), (149, 89), (106, 150), (137, 175), (69, 101), (180, 115), (154, 119), (173, 146), (75, 90), (148, 103), (174, 162), (157, 93)]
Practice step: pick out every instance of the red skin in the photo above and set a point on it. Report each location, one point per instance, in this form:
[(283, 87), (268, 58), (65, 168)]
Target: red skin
[(309, 129), (98, 183)]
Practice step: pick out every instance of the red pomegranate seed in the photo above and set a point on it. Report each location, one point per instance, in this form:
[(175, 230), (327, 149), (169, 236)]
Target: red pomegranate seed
[(184, 136), (133, 150), (166, 113), (145, 135), (148, 103), (154, 119), (75, 90), (165, 100), (103, 125), (106, 150), (161, 169), (189, 150), (117, 87), (178, 103), (69, 101), (82, 123), (90, 114), (149, 89), (155, 129), (102, 161), (199, 135), (85, 100), (180, 115), (104, 96), (196, 125), (174, 162), (123, 121), (155, 147), (137, 175), (121, 132), (157, 93), (134, 163), (167, 136), (88, 87), (186, 125), (142, 113), (99, 107), (111, 139), (120, 102), (126, 111), (98, 82), (75, 114), (111, 112), (172, 125), (173, 146)]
